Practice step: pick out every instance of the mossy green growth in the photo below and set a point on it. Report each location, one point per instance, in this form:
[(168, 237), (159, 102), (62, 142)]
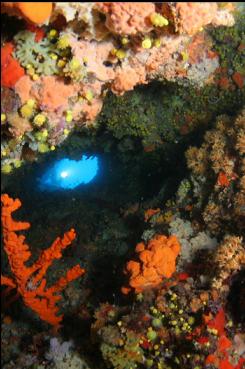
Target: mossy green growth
[(140, 114), (125, 357), (183, 190), (164, 113), (229, 44)]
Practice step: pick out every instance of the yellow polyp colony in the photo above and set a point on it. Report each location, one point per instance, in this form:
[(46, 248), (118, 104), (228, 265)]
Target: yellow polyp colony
[(3, 117), (120, 54), (31, 103), (113, 52), (151, 334), (158, 20), (185, 56), (146, 43), (44, 133), (75, 64), (73, 69), (32, 73), (38, 136), (54, 56), (6, 168), (68, 116), (30, 70), (53, 34), (17, 163), (124, 40), (63, 42), (35, 77), (61, 63), (43, 148), (157, 42), (39, 120), (26, 111), (89, 95), (41, 135)]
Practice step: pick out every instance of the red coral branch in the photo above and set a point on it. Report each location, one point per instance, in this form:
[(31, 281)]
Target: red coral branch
[(29, 281)]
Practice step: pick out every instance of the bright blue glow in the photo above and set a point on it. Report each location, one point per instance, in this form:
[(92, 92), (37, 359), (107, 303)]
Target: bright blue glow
[(67, 174)]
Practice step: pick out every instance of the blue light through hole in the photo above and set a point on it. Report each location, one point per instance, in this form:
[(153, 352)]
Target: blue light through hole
[(68, 174)]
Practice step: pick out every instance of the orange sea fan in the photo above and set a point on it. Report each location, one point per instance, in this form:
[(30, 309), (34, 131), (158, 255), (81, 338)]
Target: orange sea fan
[(29, 281)]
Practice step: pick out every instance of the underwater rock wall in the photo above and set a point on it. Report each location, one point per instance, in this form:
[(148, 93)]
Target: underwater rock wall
[(153, 94), (57, 71)]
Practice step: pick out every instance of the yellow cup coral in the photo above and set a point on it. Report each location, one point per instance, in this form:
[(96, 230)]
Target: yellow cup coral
[(3, 117), (39, 120), (158, 20), (6, 168), (89, 95), (43, 148), (146, 43), (63, 42), (26, 111), (69, 116), (120, 54)]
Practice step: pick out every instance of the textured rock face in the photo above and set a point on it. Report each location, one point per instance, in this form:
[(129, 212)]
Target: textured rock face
[(91, 48)]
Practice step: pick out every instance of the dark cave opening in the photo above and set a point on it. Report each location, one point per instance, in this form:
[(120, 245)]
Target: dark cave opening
[(95, 210), (236, 298)]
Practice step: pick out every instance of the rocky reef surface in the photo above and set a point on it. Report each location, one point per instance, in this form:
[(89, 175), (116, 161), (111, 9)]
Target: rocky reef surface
[(151, 265)]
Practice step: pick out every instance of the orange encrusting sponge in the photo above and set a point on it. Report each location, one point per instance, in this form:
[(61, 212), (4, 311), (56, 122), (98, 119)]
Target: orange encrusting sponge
[(11, 70), (33, 12), (30, 281), (156, 261)]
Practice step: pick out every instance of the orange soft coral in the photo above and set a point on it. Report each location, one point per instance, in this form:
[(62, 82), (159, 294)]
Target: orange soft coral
[(11, 71), (156, 261), (35, 12), (29, 280)]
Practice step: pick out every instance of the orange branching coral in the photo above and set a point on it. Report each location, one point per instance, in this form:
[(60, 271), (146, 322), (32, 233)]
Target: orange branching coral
[(29, 281), (34, 12), (157, 260)]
